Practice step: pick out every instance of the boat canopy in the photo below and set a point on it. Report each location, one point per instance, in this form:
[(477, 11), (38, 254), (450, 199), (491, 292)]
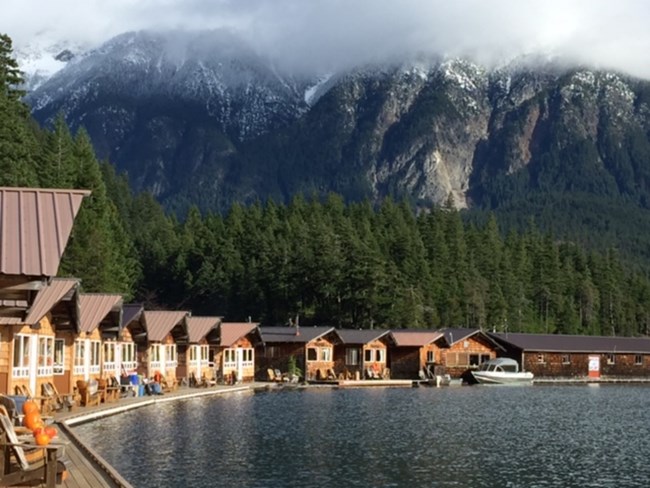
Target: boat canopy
[(507, 365)]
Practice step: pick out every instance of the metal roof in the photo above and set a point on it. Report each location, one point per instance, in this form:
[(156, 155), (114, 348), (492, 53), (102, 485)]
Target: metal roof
[(456, 334), (35, 225), (95, 307), (293, 334), (574, 343), (131, 312), (198, 327), (231, 332), (49, 296), (415, 337), (160, 323), (361, 336)]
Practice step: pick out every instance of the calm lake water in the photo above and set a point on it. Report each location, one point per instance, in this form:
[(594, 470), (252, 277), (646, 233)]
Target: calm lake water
[(479, 436)]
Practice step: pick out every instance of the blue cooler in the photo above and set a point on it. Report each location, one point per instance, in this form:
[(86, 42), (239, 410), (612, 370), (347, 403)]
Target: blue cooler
[(134, 379)]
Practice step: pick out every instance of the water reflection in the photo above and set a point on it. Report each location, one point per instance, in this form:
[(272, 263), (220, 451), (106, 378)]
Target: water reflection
[(474, 436)]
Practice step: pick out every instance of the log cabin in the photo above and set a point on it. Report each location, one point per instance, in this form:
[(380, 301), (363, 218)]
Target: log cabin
[(466, 349), (235, 355), (568, 356), (311, 347), (362, 354), (194, 354), (412, 350)]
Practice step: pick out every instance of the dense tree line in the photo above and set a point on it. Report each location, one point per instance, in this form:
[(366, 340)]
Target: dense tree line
[(318, 260)]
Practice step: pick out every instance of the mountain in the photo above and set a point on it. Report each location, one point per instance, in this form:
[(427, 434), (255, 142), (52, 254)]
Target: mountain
[(199, 118)]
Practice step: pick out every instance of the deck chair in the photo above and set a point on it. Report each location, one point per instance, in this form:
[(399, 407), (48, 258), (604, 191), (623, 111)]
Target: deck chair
[(107, 392), (59, 402), (44, 402), (331, 375), (89, 393), (31, 463), (168, 386)]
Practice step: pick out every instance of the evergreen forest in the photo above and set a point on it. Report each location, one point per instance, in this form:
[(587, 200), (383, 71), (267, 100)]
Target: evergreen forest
[(315, 260)]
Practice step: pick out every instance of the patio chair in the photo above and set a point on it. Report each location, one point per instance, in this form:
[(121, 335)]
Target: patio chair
[(89, 393), (31, 463), (59, 402), (166, 385), (43, 402), (107, 392)]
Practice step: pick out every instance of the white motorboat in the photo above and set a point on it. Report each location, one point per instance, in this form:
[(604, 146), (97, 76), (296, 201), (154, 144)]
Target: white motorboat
[(502, 371)]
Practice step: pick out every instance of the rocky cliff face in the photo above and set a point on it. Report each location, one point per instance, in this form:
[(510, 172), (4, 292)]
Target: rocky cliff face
[(202, 119)]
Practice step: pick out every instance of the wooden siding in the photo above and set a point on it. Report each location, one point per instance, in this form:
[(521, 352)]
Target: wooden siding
[(225, 372), (276, 356), (575, 365), (340, 355), (316, 369), (465, 355)]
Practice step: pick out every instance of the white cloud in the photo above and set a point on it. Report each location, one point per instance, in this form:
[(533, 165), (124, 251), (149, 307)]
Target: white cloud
[(334, 33)]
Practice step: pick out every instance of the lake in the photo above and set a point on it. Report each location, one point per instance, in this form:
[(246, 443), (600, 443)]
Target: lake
[(479, 436)]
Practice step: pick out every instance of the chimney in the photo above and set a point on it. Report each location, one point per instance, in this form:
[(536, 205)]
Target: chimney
[(297, 330)]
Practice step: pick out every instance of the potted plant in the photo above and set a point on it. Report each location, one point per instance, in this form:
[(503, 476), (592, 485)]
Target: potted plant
[(293, 371)]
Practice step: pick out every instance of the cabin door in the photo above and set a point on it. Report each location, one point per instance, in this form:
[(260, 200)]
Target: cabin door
[(33, 364)]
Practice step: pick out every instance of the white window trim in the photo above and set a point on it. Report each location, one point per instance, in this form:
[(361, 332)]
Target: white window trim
[(59, 368), (21, 371), (79, 369), (48, 369), (95, 347)]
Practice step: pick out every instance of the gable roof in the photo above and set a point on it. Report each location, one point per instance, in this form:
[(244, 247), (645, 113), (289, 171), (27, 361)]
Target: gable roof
[(453, 335), (574, 343), (35, 226), (231, 332), (94, 308), (361, 336), (131, 312), (415, 337), (160, 323), (49, 296), (198, 327), (293, 334)]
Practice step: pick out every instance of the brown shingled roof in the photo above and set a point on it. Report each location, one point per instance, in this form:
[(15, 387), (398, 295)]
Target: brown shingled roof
[(231, 332), (95, 307), (361, 336), (198, 327), (49, 296), (35, 225), (414, 337), (294, 334), (575, 343), (158, 324)]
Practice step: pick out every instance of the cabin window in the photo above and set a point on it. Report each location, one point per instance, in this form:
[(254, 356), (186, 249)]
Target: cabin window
[(194, 354), (95, 356), (229, 359), (170, 354), (129, 362), (566, 359), (79, 356), (351, 356), (611, 359), (312, 354), (541, 359), (21, 356), (59, 356), (272, 352), (638, 360), (431, 357), (367, 356), (474, 360), (380, 355), (247, 357), (205, 353), (325, 354), (485, 357), (45, 356)]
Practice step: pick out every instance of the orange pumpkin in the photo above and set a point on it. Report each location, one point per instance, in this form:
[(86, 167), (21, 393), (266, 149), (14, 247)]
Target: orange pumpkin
[(42, 439), (32, 420), (30, 406), (39, 430), (51, 431)]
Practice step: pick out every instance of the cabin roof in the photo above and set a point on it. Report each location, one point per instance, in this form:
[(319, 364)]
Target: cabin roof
[(198, 327), (361, 336), (160, 323), (415, 337), (574, 343), (453, 335), (131, 312), (231, 332), (48, 296), (35, 225), (95, 307), (294, 334)]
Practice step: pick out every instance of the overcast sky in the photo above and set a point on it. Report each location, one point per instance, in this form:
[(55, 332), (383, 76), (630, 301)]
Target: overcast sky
[(339, 33)]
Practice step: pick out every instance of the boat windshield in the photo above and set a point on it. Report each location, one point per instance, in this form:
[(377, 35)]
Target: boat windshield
[(509, 368)]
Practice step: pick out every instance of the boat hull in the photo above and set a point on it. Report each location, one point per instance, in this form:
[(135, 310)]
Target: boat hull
[(501, 378)]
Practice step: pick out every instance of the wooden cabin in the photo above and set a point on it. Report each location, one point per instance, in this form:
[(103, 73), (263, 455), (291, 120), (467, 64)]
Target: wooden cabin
[(466, 349), (568, 356), (155, 335), (35, 353), (194, 362), (362, 354), (235, 355), (35, 227), (98, 312), (311, 347), (412, 350)]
